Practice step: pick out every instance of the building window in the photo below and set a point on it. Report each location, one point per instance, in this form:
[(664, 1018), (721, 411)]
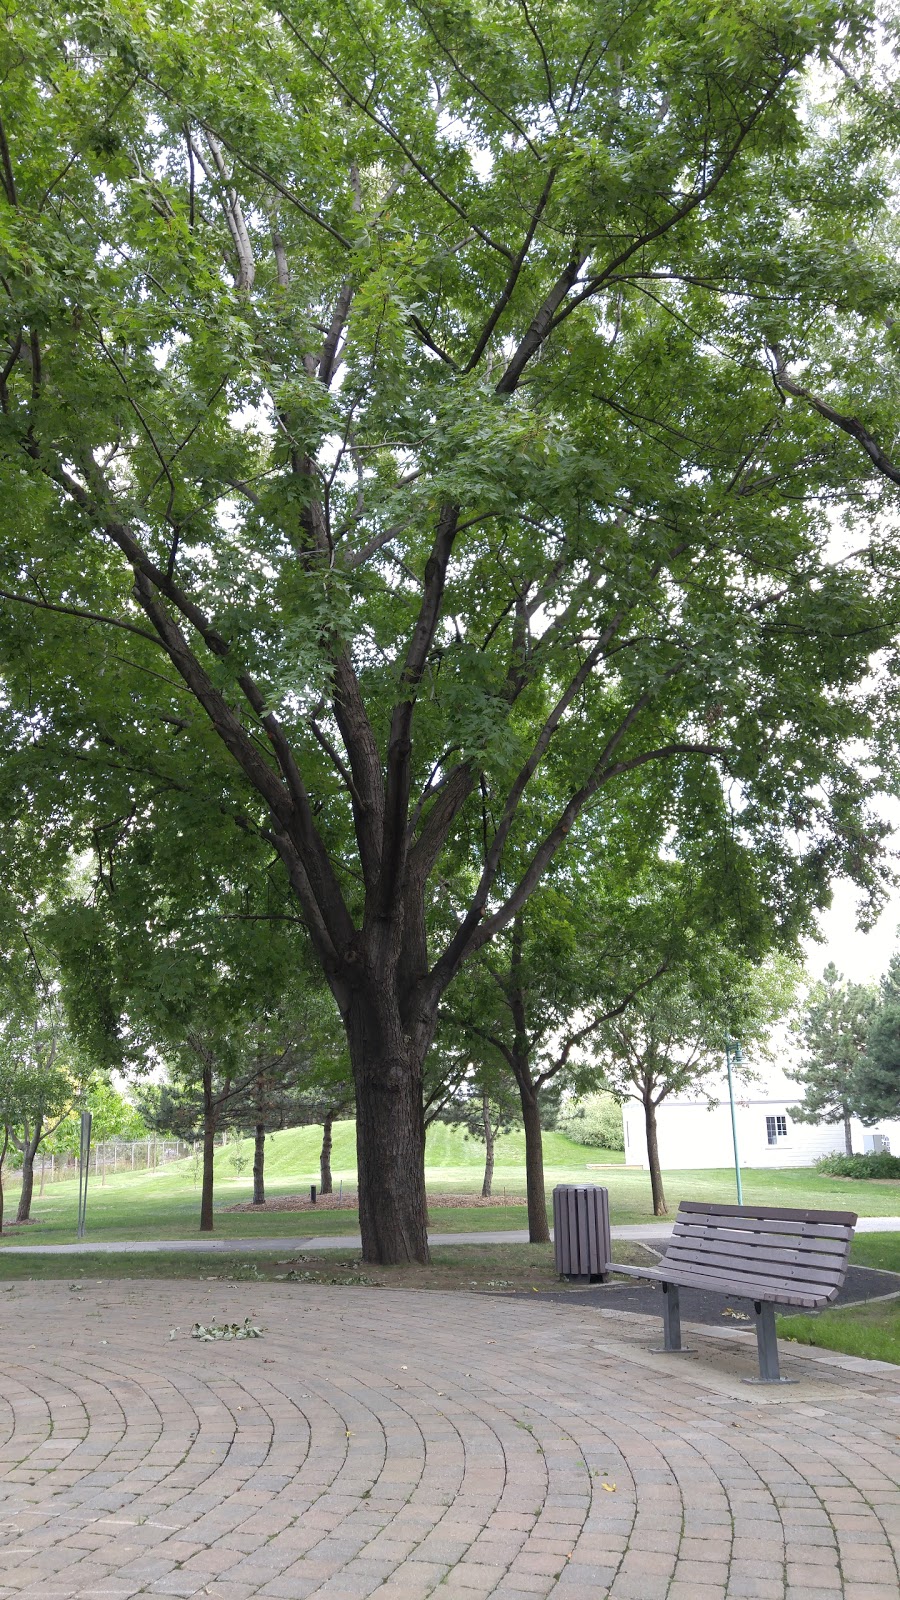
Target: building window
[(776, 1128)]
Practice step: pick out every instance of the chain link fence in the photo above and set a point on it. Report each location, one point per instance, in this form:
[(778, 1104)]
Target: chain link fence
[(109, 1157)]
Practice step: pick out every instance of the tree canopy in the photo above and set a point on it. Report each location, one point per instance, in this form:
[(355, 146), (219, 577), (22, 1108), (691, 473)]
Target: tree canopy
[(407, 449)]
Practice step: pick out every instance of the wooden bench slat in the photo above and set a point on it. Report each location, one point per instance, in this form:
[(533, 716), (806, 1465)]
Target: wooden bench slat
[(776, 1294), (732, 1280), (800, 1260), (740, 1252), (764, 1228), (769, 1241), (845, 1219)]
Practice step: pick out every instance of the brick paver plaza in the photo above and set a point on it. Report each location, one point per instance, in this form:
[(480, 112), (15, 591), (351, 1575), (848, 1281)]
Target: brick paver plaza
[(401, 1445)]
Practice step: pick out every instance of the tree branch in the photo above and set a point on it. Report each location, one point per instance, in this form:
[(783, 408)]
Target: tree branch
[(848, 425), (83, 616), (399, 750)]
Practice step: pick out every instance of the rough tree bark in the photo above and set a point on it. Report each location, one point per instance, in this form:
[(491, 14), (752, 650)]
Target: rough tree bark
[(660, 1209), (848, 1136), (3, 1150), (259, 1165), (390, 1134), (28, 1146), (210, 1119), (488, 1147), (538, 1227), (325, 1184)]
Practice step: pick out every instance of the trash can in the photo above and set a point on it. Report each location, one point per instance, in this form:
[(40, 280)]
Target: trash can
[(581, 1232)]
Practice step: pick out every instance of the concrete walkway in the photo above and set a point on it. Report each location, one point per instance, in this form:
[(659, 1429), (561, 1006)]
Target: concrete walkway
[(402, 1446), (652, 1232)]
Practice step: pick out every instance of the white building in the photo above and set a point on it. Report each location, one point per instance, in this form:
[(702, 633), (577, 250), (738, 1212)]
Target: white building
[(694, 1133)]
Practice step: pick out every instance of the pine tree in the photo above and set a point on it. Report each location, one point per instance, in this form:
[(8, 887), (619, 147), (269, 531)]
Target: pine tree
[(832, 1033)]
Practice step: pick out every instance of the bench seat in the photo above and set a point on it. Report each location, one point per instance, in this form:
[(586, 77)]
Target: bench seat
[(769, 1255)]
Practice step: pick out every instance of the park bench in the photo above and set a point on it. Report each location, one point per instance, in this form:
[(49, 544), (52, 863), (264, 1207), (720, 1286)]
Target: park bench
[(764, 1254)]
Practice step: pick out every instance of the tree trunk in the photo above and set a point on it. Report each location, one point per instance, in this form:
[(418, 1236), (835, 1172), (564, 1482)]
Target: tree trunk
[(488, 1148), (325, 1184), (848, 1136), (209, 1148), (390, 1130), (3, 1150), (660, 1209), (29, 1146), (259, 1165), (538, 1228)]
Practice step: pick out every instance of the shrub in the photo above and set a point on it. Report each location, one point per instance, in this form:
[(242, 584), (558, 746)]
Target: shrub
[(880, 1165), (594, 1120)]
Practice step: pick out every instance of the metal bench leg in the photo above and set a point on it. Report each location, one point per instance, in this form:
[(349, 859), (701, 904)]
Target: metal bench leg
[(672, 1345), (767, 1345)]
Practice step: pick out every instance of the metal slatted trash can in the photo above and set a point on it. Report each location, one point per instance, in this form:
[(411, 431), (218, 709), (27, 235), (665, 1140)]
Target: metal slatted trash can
[(581, 1232)]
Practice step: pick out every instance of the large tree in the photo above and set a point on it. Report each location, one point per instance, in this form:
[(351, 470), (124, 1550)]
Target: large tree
[(388, 398), (831, 1033)]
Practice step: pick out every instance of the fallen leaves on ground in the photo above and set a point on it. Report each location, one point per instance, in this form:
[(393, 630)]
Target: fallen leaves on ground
[(226, 1330)]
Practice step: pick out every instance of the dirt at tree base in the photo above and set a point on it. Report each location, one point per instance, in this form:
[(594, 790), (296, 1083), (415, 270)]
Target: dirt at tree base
[(348, 1202)]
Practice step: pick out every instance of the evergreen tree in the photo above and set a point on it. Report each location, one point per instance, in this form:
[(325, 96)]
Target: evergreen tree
[(832, 1033), (877, 1090)]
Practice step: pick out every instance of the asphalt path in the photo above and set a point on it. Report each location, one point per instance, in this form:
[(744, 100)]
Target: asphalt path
[(716, 1310)]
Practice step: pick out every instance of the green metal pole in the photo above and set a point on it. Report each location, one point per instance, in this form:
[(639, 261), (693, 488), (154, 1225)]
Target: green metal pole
[(734, 1137)]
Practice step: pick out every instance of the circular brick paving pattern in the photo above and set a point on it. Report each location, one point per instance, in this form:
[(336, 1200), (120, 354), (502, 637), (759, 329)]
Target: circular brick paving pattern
[(402, 1445)]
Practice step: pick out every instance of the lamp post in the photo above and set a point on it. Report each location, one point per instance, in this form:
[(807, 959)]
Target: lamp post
[(733, 1054)]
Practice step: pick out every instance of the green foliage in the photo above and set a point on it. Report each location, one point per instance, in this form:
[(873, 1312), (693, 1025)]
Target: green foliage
[(877, 1086), (832, 1033), (195, 206), (877, 1164), (594, 1119), (113, 1117), (671, 1039)]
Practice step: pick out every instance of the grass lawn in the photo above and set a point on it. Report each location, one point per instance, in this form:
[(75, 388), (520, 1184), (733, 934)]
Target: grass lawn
[(479, 1268), (871, 1330), (164, 1204)]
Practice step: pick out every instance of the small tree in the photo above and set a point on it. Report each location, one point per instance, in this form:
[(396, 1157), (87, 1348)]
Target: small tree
[(832, 1032), (113, 1117), (486, 1105), (671, 1038)]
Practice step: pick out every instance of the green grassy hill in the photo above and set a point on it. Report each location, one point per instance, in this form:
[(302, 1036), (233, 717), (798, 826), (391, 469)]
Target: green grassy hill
[(292, 1157)]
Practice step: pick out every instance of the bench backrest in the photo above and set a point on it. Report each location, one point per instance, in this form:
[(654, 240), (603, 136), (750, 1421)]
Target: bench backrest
[(764, 1244)]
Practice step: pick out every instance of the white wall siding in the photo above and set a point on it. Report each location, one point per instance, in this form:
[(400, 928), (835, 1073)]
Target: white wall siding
[(693, 1134)]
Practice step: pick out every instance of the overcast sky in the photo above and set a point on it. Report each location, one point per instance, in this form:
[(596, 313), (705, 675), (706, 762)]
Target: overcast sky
[(859, 956)]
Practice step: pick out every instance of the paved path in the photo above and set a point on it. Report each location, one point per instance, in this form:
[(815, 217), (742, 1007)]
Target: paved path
[(652, 1232), (401, 1446)]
